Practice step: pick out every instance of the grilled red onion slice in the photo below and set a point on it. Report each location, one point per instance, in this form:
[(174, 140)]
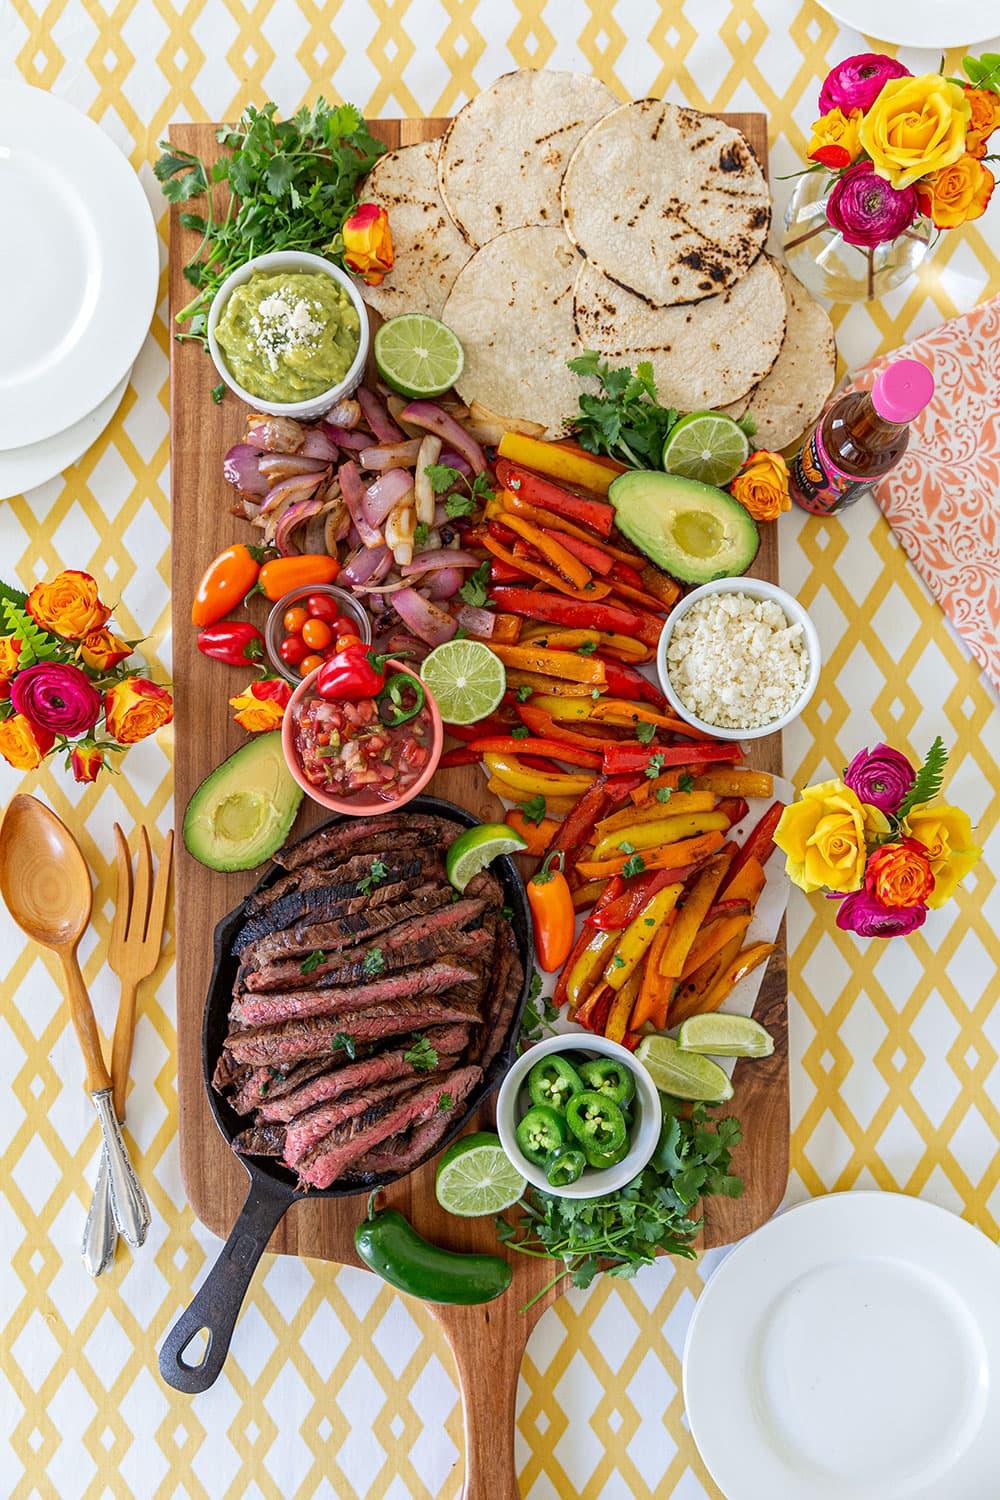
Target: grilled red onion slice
[(297, 487), (318, 445), (344, 438), (346, 413), (425, 619), (378, 418), (435, 419), (453, 460), (276, 466), (335, 528), (476, 621), (445, 557), (294, 516), (389, 488), (241, 467), (444, 583), (368, 565), (276, 434), (393, 455), (353, 490)]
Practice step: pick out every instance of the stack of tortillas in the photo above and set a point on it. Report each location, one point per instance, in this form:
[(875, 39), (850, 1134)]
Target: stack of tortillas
[(550, 219)]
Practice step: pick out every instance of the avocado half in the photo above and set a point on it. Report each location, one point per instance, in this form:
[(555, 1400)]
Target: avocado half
[(241, 813), (693, 531)]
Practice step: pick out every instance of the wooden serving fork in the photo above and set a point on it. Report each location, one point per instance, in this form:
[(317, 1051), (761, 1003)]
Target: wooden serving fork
[(133, 953)]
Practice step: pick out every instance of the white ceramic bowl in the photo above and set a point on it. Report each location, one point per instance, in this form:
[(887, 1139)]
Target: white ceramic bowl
[(290, 260), (513, 1102), (754, 588)]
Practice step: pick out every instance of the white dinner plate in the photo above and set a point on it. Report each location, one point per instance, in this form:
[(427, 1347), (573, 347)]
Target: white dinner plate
[(850, 1350), (36, 463), (78, 265), (920, 23)]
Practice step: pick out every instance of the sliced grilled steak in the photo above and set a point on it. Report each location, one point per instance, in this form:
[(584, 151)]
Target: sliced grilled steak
[(251, 1090), (358, 834), (286, 1005), (318, 899), (333, 1155), (228, 1073), (260, 1140), (340, 926), (279, 1046), (308, 1130), (487, 886), (504, 995), (401, 1153), (379, 1068), (348, 866), (355, 966)]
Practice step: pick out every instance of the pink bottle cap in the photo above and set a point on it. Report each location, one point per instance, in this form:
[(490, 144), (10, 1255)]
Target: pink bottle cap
[(902, 390)]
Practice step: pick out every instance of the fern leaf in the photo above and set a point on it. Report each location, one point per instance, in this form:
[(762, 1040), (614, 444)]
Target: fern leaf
[(15, 595), (36, 644), (930, 778)]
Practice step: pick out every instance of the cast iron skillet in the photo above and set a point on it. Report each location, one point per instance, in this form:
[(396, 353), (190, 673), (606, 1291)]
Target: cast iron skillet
[(217, 1303)]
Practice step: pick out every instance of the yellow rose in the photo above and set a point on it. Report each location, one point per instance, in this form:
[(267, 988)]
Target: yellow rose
[(946, 834), (823, 837), (916, 126), (956, 194), (985, 106), (24, 745), (761, 486), (136, 708), (69, 606), (835, 140)]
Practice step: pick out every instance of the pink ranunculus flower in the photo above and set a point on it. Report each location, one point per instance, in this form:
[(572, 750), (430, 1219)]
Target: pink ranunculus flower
[(56, 697), (881, 777), (866, 209), (857, 82), (862, 914)]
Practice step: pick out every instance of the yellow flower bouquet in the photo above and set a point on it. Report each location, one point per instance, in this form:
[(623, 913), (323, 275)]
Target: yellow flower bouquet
[(877, 840)]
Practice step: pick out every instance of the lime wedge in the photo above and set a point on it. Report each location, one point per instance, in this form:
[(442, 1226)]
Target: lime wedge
[(418, 355), (683, 1074), (467, 680), (707, 446), (476, 1176), (473, 850), (725, 1036)]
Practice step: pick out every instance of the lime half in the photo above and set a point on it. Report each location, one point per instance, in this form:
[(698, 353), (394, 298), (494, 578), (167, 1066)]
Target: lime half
[(418, 355), (467, 680), (683, 1074), (473, 850), (725, 1036), (476, 1176), (706, 446)]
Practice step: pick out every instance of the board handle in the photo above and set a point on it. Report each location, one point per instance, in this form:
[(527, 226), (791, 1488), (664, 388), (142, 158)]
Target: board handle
[(487, 1352), (217, 1302)]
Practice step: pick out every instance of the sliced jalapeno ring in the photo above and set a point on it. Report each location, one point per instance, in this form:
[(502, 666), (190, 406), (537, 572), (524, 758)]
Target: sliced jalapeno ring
[(554, 1081), (540, 1133), (565, 1166), (391, 710), (608, 1076), (596, 1121), (601, 1159)]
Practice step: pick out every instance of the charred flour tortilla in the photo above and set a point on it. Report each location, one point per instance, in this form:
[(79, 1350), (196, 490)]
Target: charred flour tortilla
[(795, 389), (669, 203), (505, 152), (704, 354), (429, 251), (512, 308)]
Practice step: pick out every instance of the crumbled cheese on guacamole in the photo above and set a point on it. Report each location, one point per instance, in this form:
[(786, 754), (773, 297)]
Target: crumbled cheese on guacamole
[(737, 662), (281, 323)]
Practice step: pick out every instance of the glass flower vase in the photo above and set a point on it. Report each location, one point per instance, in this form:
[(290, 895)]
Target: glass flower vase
[(820, 257)]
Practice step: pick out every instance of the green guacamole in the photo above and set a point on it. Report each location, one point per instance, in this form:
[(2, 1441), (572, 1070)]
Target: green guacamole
[(289, 336)]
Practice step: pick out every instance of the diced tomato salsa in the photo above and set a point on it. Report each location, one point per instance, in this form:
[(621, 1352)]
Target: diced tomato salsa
[(345, 749)]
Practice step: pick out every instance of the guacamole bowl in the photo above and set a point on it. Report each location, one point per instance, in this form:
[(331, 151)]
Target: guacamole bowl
[(287, 362)]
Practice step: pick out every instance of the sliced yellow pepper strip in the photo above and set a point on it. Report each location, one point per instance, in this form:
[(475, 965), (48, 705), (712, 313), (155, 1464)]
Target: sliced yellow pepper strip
[(652, 835), (513, 771), (638, 935), (678, 802), (560, 706), (556, 806), (618, 1016), (558, 463), (587, 965)]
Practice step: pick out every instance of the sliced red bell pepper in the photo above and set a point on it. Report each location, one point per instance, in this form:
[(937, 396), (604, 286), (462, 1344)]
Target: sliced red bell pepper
[(619, 787), (571, 755), (577, 829), (538, 491), (594, 1012), (629, 755), (735, 809), (494, 724), (502, 533), (624, 681), (539, 763), (587, 552), (623, 573), (620, 912), (543, 724), (555, 609), (503, 572), (639, 599), (460, 756), (759, 842)]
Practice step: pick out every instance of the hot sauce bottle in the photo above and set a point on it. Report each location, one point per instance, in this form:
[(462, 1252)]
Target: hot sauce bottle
[(860, 439)]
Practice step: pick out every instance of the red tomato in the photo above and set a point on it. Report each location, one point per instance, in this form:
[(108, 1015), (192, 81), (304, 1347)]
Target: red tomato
[(293, 650), (344, 625), (293, 619), (343, 641), (309, 664), (317, 633), (322, 607)]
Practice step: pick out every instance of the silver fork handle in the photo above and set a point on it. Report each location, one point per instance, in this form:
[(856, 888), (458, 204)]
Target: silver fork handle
[(129, 1205), (99, 1233)]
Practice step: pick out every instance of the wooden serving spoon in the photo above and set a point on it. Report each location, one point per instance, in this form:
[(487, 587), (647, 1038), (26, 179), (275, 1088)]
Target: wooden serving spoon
[(46, 884)]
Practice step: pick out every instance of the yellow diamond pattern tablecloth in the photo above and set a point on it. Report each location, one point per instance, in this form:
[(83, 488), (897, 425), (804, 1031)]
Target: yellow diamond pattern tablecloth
[(335, 1386)]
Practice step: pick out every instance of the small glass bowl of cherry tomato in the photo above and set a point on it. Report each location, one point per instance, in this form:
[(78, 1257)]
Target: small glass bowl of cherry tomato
[(309, 625), (578, 1115)]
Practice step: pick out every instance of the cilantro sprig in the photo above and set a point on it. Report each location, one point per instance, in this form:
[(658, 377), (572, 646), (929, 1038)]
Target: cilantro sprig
[(538, 1014), (421, 1056), (929, 779)]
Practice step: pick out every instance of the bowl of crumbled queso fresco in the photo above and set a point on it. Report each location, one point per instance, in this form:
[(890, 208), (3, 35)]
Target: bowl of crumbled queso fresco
[(739, 658), (288, 334)]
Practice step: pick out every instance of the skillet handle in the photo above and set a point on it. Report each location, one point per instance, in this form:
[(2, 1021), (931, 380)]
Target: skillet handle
[(217, 1302)]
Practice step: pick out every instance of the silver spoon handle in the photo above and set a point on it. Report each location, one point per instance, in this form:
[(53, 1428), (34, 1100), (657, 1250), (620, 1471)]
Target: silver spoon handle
[(99, 1233), (129, 1205)]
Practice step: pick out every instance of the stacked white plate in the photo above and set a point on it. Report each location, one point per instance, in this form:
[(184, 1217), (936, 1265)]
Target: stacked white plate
[(79, 267)]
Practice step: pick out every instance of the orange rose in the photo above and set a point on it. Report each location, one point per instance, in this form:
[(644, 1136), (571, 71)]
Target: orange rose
[(900, 874), (22, 744), (101, 650), (368, 243), (985, 119), (956, 194), (68, 606), (261, 706), (761, 486), (10, 649), (834, 140), (86, 762), (136, 708)]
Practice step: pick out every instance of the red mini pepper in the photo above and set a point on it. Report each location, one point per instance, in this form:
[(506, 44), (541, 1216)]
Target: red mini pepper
[(596, 514), (551, 905), (628, 755), (235, 642), (353, 673), (557, 609), (759, 842)]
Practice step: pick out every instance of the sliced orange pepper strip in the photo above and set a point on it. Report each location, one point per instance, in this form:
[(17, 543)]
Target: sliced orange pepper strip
[(689, 997), (552, 663), (712, 938), (554, 552), (670, 857), (618, 711), (693, 914)]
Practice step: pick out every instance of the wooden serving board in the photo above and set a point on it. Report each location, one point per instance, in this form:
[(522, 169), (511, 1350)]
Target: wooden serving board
[(487, 1341)]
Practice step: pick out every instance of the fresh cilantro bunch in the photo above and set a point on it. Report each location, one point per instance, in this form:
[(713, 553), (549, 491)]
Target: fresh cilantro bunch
[(623, 1231), (292, 183), (625, 420), (538, 1014)]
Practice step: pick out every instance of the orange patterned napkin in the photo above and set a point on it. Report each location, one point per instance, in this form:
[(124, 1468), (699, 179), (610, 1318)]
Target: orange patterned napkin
[(943, 500)]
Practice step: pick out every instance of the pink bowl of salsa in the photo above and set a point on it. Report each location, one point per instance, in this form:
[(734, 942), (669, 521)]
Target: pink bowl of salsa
[(349, 756)]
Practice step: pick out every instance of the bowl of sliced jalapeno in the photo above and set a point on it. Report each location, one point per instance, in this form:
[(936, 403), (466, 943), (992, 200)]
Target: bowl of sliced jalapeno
[(578, 1116)]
